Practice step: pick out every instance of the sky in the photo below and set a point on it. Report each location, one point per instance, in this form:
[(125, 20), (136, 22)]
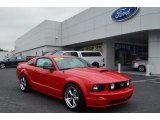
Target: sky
[(16, 21)]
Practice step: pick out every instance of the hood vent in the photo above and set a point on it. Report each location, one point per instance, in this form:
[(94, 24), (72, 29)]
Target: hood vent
[(105, 70)]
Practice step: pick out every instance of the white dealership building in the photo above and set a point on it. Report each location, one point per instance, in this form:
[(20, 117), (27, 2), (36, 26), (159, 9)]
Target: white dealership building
[(120, 33)]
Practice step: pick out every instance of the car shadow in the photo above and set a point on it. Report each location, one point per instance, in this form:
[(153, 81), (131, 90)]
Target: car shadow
[(111, 109)]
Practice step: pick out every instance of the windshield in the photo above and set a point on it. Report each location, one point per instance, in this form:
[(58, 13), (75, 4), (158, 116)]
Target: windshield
[(69, 63)]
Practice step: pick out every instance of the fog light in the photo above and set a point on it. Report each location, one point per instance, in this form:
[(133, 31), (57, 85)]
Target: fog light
[(112, 86)]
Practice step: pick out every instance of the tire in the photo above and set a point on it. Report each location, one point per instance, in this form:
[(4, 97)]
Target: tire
[(141, 68), (2, 65), (74, 98), (95, 64), (24, 86)]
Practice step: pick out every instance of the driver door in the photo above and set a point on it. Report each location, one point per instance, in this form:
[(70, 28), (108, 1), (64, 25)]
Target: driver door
[(44, 79), (11, 62)]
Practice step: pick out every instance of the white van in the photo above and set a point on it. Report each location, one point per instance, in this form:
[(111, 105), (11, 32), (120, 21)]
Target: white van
[(95, 58)]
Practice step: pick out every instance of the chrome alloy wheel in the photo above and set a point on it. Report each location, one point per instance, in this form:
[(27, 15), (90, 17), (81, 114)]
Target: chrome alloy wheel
[(23, 83), (71, 97)]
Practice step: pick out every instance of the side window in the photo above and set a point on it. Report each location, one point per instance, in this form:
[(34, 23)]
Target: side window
[(43, 61), (71, 54), (12, 59), (21, 58), (91, 54)]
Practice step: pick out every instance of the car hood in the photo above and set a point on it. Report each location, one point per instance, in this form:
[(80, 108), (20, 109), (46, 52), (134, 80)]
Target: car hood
[(98, 75)]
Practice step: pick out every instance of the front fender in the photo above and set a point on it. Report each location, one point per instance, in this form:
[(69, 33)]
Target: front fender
[(23, 71), (84, 86)]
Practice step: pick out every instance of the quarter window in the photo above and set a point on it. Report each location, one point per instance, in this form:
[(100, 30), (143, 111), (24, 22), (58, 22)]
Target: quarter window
[(12, 59)]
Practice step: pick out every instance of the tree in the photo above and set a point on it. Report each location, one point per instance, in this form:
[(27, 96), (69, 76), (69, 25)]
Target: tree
[(3, 50)]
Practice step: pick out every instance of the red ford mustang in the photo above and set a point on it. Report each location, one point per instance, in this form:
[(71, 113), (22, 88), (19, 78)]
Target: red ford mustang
[(75, 81)]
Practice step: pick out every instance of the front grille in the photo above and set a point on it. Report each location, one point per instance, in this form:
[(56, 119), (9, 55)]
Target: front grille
[(119, 85)]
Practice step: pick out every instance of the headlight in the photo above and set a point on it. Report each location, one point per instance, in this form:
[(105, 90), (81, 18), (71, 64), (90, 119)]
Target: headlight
[(98, 87), (112, 87), (128, 83)]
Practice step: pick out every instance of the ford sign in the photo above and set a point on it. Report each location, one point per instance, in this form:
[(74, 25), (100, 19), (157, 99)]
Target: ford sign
[(124, 13)]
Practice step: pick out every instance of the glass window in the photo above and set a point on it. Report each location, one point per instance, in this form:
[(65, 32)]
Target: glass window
[(142, 58), (20, 58), (91, 54), (126, 53), (71, 54), (12, 59), (44, 61), (68, 63)]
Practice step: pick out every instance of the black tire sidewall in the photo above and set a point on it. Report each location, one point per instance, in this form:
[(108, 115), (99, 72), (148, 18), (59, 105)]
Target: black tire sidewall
[(95, 64), (27, 88), (81, 103), (141, 67)]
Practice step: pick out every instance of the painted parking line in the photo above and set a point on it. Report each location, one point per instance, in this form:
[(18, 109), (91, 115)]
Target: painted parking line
[(136, 73), (132, 73), (147, 80), (154, 82)]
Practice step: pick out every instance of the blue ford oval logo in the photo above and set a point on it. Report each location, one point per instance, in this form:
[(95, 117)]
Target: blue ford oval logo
[(124, 13)]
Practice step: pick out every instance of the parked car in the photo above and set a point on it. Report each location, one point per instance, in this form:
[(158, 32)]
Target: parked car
[(30, 57), (11, 62), (95, 58), (140, 64), (75, 81)]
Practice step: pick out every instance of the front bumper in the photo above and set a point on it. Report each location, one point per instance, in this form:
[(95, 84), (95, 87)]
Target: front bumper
[(109, 98)]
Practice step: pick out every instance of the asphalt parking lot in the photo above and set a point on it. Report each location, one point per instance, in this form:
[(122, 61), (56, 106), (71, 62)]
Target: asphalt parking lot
[(146, 97)]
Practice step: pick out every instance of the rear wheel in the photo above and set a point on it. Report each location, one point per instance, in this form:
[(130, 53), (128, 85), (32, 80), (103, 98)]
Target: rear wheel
[(141, 68), (74, 99), (24, 86), (95, 64), (2, 65)]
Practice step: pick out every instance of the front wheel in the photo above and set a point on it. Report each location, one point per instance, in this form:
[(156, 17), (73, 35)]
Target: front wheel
[(74, 99), (24, 86), (2, 66)]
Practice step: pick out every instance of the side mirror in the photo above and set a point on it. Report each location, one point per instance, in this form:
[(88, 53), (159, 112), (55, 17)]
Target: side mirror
[(48, 67)]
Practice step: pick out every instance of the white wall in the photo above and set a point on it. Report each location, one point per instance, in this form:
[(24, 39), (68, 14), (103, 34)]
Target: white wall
[(96, 23), (154, 52), (39, 50), (46, 33), (91, 24)]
